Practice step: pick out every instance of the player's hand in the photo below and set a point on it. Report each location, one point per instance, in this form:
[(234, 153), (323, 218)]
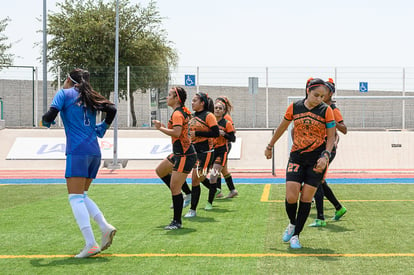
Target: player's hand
[(321, 164), (268, 153), (157, 124), (101, 128), (46, 124)]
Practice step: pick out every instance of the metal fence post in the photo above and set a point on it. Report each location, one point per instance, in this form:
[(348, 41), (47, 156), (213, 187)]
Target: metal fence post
[(1, 108)]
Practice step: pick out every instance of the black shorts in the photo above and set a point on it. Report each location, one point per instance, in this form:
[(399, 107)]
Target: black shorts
[(204, 161), (300, 169), (220, 155), (182, 163)]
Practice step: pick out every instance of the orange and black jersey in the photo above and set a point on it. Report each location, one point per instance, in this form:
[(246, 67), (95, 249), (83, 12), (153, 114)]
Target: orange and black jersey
[(205, 126), (229, 136), (228, 117), (309, 126), (182, 144), (337, 113)]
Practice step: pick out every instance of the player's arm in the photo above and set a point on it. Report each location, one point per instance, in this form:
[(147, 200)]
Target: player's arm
[(110, 111), (278, 133), (341, 127), (214, 130), (174, 132), (50, 115), (229, 133)]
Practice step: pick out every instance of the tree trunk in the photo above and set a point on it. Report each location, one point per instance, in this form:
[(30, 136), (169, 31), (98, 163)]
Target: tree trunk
[(131, 104)]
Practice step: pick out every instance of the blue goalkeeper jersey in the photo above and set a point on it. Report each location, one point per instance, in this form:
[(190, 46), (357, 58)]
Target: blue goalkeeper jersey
[(79, 123)]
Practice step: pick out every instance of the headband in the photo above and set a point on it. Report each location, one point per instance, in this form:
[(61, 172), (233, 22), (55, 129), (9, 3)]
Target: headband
[(71, 79), (203, 97), (222, 99), (176, 92)]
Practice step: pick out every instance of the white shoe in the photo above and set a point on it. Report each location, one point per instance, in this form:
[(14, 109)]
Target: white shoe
[(107, 237), (232, 194), (294, 242), (187, 200), (191, 214), (290, 229), (89, 251)]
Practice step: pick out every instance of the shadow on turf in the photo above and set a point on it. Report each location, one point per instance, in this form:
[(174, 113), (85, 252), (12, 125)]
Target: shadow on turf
[(333, 226), (67, 261), (309, 250)]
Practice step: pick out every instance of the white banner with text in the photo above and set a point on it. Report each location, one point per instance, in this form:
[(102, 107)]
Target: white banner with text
[(128, 148)]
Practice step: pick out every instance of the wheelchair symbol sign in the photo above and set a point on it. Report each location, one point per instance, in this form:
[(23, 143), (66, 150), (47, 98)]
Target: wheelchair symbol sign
[(190, 80), (363, 87)]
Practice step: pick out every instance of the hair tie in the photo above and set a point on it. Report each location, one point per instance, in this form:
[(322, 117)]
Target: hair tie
[(186, 110)]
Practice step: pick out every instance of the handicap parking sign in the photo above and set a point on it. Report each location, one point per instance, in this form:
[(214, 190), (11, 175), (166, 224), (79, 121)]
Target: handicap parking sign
[(363, 87), (190, 80)]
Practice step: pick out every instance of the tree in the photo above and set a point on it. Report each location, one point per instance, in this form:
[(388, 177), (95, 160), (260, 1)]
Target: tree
[(83, 35), (5, 58)]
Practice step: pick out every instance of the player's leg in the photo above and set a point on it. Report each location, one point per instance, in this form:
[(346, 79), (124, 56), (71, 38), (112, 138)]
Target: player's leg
[(320, 217)]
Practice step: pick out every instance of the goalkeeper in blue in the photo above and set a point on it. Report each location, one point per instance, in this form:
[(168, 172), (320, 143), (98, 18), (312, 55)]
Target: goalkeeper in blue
[(78, 105)]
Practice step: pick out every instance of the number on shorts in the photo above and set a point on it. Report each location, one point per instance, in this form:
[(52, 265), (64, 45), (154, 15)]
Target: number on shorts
[(293, 167)]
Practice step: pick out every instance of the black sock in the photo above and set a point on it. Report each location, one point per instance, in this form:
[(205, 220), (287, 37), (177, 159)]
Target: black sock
[(218, 183), (185, 188), (195, 196), (206, 183), (167, 180), (178, 207), (291, 211), (319, 203), (330, 196), (212, 192), (229, 181), (303, 213)]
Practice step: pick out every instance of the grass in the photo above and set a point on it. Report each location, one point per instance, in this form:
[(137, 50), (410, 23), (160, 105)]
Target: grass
[(240, 236)]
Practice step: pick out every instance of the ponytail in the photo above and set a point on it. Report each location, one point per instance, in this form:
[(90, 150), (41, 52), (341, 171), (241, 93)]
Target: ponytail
[(87, 95)]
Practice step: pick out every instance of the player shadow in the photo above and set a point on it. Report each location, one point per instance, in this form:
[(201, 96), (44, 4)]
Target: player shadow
[(326, 254), (68, 261), (199, 219), (224, 200), (333, 226), (218, 210), (182, 231)]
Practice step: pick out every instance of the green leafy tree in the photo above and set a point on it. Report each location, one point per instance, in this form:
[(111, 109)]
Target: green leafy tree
[(5, 57), (83, 35)]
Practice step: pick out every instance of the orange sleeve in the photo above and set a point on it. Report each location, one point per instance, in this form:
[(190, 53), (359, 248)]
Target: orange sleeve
[(338, 115), (177, 119), (329, 115), (211, 120), (229, 127), (289, 113), (229, 118)]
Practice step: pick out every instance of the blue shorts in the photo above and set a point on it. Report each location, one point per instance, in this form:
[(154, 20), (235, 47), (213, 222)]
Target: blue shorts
[(83, 166)]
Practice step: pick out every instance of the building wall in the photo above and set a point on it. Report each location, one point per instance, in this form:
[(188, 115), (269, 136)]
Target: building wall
[(249, 110)]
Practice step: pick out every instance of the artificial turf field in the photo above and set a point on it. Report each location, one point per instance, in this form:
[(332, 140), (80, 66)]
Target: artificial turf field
[(38, 234)]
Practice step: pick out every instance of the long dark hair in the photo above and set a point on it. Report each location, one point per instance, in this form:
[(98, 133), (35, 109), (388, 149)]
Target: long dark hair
[(87, 95)]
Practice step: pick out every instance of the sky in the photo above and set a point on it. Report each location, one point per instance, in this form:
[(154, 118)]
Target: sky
[(257, 33)]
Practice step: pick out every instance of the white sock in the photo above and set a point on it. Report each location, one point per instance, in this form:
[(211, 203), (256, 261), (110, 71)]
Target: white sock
[(95, 212), (82, 217)]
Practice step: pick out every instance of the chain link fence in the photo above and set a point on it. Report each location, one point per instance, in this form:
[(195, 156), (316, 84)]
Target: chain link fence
[(142, 92)]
